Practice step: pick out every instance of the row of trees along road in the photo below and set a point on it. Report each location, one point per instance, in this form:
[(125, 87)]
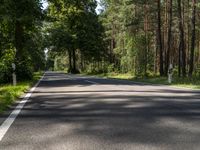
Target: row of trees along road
[(138, 36), (73, 28), (20, 38), (146, 36)]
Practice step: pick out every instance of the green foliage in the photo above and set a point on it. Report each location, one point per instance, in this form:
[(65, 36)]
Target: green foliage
[(111, 68), (75, 29), (21, 39), (6, 61), (140, 48), (50, 61), (9, 93), (60, 63), (24, 70)]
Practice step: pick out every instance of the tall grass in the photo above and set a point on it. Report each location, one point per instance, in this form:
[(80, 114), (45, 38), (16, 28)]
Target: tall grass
[(193, 83), (9, 93)]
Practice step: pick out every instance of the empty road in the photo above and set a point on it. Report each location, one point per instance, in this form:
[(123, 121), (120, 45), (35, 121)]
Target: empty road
[(71, 112)]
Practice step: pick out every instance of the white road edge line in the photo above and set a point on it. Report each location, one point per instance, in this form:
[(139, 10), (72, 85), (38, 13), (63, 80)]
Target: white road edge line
[(91, 82), (11, 118)]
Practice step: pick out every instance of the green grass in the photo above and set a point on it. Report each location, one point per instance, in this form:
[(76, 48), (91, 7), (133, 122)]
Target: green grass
[(9, 93), (192, 83)]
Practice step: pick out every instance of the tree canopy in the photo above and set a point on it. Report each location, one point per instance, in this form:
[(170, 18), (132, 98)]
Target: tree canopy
[(20, 31), (75, 28), (128, 36)]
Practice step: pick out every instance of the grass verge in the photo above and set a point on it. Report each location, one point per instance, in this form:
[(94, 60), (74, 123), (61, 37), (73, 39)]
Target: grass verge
[(9, 93), (192, 83)]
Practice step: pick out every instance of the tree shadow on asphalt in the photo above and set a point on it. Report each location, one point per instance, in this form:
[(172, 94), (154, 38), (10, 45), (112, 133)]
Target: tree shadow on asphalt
[(122, 118), (119, 116)]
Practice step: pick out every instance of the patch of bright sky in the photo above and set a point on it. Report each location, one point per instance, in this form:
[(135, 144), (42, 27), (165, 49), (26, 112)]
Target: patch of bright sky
[(98, 7), (45, 5)]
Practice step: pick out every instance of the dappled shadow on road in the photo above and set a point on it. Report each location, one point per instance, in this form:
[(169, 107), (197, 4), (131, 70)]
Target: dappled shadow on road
[(160, 118), (124, 91), (147, 119), (67, 80)]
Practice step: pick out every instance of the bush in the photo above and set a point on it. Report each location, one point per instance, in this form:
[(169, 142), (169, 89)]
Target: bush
[(5, 66), (24, 71), (111, 68)]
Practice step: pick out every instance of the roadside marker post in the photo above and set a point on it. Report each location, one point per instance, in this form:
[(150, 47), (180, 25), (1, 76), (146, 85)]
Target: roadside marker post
[(14, 75), (170, 73)]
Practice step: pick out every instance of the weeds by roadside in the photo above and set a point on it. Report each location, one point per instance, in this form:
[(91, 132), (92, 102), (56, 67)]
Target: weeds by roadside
[(193, 83), (9, 93)]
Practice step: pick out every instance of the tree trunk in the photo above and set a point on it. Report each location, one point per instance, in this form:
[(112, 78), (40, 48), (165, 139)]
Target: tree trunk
[(159, 38), (74, 69), (18, 40), (193, 38), (182, 57), (168, 51), (70, 61), (155, 58), (146, 38)]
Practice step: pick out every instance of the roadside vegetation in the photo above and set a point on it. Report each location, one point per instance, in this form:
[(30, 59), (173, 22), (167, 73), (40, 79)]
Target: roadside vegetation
[(21, 43), (191, 83), (10, 93), (139, 40)]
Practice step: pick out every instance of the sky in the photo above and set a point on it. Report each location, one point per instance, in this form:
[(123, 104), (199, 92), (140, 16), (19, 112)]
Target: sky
[(45, 5), (98, 7)]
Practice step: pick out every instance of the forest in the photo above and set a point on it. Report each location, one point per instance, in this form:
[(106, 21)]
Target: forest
[(145, 37), (139, 37)]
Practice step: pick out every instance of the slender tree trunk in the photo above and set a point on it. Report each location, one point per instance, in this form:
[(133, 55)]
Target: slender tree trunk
[(18, 40), (182, 57), (193, 37), (112, 45), (159, 38), (70, 61), (146, 38), (168, 51), (198, 61), (187, 38), (74, 70), (155, 57), (165, 35)]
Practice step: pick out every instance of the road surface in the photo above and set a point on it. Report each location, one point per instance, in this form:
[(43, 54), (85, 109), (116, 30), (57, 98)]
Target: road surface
[(71, 112)]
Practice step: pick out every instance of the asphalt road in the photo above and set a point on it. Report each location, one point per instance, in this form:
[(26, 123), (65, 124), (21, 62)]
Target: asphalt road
[(69, 112)]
